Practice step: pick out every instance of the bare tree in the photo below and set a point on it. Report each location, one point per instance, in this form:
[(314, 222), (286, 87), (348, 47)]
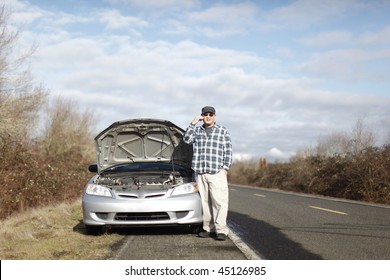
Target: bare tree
[(361, 138), (332, 144), (20, 99), (68, 131)]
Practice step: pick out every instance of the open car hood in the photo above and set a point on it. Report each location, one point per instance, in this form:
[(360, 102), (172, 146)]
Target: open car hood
[(142, 140)]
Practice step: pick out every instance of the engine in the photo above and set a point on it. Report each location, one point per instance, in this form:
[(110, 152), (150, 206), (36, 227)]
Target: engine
[(135, 182)]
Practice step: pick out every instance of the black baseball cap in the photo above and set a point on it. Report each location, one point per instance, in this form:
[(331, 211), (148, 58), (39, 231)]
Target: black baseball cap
[(208, 109)]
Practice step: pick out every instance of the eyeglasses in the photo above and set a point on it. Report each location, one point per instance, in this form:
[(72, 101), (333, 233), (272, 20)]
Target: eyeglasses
[(208, 115)]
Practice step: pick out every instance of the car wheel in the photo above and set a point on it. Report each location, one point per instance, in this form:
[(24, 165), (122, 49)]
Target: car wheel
[(93, 230)]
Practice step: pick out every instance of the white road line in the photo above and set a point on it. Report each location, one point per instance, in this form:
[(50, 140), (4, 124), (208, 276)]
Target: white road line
[(260, 195), (249, 253), (328, 210)]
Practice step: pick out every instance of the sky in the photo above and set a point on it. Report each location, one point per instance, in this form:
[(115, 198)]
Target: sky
[(281, 74)]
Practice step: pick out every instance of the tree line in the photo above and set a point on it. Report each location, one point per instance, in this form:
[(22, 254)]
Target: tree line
[(342, 165)]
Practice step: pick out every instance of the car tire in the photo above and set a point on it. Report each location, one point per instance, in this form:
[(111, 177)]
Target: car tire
[(93, 230)]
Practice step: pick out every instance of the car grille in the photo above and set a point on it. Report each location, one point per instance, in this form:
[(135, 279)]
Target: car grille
[(142, 216), (132, 196)]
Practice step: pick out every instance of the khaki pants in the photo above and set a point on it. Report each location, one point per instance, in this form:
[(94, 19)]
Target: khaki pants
[(214, 193)]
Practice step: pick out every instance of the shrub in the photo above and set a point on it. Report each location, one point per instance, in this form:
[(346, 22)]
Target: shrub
[(364, 176), (47, 169)]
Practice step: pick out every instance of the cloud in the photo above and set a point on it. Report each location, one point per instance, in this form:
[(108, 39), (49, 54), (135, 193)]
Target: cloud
[(124, 65), (23, 13), (173, 81), (157, 5), (303, 13), (277, 155), (285, 52), (377, 39), (327, 39), (114, 20), (233, 14), (349, 65), (216, 21)]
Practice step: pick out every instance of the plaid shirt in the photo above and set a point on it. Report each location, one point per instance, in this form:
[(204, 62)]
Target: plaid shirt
[(211, 153)]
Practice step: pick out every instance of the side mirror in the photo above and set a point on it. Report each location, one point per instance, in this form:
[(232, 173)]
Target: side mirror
[(93, 168)]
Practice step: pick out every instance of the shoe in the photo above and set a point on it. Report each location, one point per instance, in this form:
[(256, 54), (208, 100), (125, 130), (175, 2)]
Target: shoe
[(221, 237)]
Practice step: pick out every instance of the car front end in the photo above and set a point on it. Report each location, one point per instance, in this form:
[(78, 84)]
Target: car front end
[(143, 178)]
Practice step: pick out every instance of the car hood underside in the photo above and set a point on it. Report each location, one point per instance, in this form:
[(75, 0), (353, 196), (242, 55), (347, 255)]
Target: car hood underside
[(142, 140)]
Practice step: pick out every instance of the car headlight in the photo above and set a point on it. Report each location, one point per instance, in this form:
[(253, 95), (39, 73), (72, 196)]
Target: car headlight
[(184, 189), (99, 190)]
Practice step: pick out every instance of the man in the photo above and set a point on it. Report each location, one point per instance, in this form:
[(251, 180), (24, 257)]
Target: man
[(211, 161)]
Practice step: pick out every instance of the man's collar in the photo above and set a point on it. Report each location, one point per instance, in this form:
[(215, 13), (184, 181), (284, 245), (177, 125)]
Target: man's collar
[(215, 124)]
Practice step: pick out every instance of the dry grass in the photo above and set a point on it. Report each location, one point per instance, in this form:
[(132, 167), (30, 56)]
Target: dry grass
[(52, 233)]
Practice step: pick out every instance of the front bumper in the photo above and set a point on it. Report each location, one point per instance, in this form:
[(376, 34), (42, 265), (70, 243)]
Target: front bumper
[(175, 210)]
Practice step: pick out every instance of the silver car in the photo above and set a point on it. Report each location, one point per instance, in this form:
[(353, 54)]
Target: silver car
[(143, 178)]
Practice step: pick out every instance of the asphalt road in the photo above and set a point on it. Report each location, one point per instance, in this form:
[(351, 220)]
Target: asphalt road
[(273, 225), (175, 244), (283, 226)]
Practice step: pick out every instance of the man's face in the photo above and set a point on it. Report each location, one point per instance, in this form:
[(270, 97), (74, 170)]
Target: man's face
[(208, 119)]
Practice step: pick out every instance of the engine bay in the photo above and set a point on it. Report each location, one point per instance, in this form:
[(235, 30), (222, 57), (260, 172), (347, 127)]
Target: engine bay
[(131, 182)]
